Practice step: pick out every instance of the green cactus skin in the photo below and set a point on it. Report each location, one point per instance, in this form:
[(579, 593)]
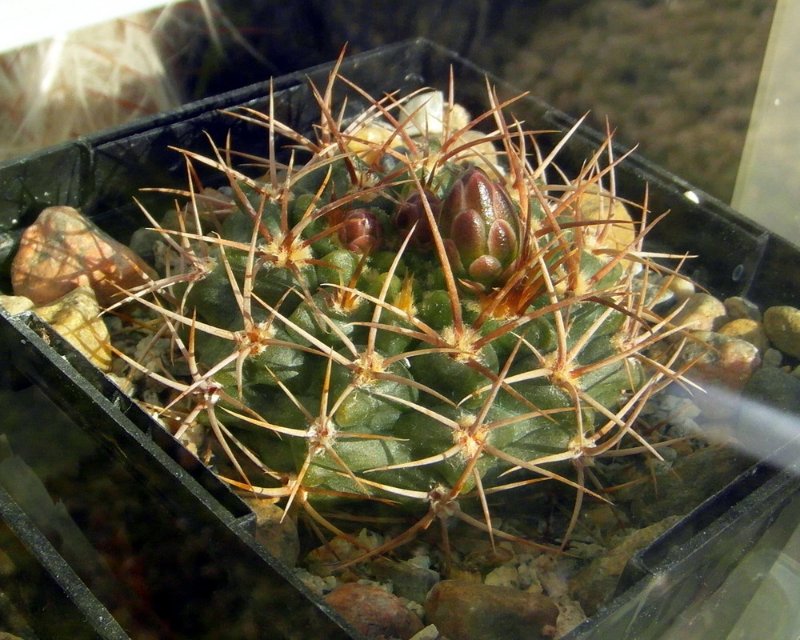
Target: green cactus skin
[(391, 323)]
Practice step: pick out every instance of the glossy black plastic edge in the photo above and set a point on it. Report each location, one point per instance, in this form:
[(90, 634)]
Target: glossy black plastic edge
[(87, 618), (134, 415), (664, 578)]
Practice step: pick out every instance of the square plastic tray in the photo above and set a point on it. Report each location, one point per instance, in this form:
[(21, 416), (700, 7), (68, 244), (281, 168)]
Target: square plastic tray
[(224, 574)]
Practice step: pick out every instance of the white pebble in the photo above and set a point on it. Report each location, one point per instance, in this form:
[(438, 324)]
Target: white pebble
[(421, 562), (428, 633), (503, 576), (315, 583), (682, 288)]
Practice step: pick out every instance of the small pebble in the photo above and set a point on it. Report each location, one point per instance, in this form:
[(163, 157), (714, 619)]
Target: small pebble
[(720, 358), (76, 318), (409, 581), (682, 288), (323, 559), (429, 111), (597, 204), (367, 142), (701, 312), (15, 304), (62, 248), (315, 583), (472, 611), (276, 531), (772, 358), (503, 576), (602, 517), (483, 154), (428, 633), (747, 329), (776, 389), (659, 298), (782, 326), (570, 612), (373, 612), (738, 307), (421, 561), (527, 575)]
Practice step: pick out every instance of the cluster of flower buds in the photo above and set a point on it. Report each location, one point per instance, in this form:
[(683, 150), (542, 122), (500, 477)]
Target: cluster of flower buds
[(477, 222)]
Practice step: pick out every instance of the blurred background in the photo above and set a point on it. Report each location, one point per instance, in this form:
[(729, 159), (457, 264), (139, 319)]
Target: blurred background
[(680, 78)]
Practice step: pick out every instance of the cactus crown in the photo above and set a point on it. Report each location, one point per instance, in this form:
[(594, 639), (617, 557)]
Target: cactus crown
[(414, 316)]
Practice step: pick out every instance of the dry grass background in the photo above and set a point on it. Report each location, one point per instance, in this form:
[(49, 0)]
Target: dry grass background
[(678, 77)]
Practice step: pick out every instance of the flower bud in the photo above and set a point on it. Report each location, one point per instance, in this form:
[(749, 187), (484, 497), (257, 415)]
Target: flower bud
[(480, 227), (412, 212), (360, 231)]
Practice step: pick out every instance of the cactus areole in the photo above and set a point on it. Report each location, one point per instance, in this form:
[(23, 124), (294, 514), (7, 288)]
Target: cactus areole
[(411, 317)]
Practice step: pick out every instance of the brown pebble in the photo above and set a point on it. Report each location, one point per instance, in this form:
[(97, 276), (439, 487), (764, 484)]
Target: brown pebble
[(63, 248), (701, 312), (468, 611), (747, 329), (719, 358), (373, 612), (275, 530)]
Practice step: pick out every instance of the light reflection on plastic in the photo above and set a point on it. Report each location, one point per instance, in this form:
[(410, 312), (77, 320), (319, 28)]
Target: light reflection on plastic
[(757, 429), (691, 196)]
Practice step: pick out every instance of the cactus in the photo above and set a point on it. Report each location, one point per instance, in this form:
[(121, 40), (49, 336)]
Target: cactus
[(414, 316)]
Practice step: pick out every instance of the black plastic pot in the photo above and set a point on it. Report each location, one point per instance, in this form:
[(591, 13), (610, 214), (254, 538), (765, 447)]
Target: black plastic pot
[(126, 523), (194, 569)]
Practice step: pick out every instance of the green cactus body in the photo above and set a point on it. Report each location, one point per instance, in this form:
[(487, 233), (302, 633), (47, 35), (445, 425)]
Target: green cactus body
[(392, 325)]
